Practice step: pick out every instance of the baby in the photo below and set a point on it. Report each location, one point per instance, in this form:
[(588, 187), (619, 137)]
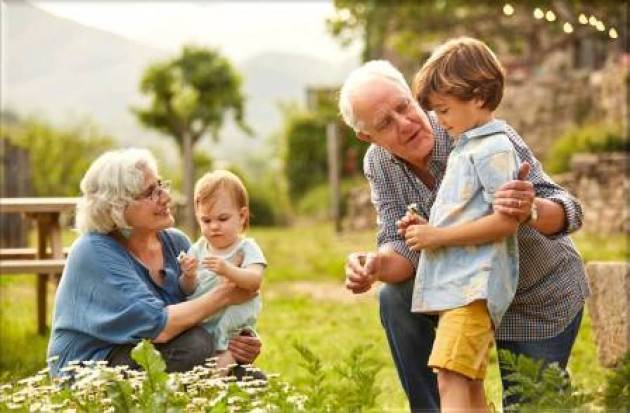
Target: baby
[(222, 211)]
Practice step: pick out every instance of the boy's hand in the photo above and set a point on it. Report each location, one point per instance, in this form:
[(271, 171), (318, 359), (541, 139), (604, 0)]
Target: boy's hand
[(188, 265), (422, 237), (407, 220)]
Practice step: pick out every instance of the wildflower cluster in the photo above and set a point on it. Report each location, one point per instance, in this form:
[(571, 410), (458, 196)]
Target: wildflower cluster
[(97, 387)]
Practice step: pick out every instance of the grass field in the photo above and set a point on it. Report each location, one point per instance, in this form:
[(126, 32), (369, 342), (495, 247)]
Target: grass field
[(304, 302)]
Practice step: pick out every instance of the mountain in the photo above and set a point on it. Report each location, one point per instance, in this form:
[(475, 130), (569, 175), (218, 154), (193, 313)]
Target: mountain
[(64, 71)]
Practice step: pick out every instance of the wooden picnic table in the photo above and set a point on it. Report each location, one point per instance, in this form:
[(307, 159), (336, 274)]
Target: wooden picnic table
[(48, 257)]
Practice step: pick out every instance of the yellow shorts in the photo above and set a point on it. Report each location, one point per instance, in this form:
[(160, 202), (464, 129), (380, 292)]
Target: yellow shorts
[(463, 340)]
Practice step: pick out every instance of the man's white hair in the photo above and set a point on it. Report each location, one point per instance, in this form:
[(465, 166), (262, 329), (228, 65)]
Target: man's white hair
[(109, 185), (361, 77)]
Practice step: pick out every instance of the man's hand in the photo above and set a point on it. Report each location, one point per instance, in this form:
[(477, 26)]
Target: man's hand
[(245, 348), (361, 270), (422, 237), (407, 220), (515, 198)]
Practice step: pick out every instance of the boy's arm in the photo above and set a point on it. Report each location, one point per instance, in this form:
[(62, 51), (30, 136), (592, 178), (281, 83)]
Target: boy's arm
[(484, 230)]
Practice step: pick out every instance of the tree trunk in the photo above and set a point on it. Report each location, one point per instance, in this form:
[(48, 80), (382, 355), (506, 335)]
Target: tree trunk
[(188, 178)]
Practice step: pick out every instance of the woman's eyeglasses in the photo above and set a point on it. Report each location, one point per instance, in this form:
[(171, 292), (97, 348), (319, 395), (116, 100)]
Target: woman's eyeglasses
[(155, 192)]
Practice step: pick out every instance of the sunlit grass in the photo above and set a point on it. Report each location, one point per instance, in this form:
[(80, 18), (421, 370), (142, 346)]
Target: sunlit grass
[(330, 325)]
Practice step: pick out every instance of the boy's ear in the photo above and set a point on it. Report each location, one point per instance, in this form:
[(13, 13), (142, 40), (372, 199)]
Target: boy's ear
[(479, 102), (364, 137)]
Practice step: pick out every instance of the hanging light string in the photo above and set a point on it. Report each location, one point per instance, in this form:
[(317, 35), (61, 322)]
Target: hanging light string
[(567, 27)]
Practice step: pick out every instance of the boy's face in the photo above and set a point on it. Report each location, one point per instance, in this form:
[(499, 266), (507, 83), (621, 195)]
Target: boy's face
[(221, 220), (457, 116)]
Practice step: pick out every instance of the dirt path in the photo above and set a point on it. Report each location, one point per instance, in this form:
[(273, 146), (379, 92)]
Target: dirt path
[(324, 290)]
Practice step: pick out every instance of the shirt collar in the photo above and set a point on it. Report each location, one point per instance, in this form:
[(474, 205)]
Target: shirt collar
[(490, 128)]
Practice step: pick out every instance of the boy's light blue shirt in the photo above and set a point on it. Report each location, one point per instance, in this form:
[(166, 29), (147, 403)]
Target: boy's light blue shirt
[(481, 161), (107, 297)]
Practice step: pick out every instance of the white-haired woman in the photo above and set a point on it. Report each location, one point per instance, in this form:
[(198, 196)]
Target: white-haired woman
[(120, 284)]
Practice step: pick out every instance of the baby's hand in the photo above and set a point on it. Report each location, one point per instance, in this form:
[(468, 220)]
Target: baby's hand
[(188, 265), (216, 264)]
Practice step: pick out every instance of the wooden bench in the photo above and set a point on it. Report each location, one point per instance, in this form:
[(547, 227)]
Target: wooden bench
[(32, 266), (25, 253)]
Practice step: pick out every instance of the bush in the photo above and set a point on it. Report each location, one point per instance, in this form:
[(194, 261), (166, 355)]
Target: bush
[(591, 138), (316, 202), (95, 387)]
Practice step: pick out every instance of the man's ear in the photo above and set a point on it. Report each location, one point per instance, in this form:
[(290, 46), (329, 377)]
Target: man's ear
[(364, 137)]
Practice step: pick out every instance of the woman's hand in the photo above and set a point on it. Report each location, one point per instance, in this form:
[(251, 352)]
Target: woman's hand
[(233, 294), (245, 348), (515, 198)]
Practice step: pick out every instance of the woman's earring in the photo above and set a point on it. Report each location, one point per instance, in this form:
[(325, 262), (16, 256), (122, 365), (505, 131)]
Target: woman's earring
[(125, 232)]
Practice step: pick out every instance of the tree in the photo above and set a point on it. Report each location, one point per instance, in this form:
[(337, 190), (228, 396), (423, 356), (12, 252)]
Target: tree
[(58, 157), (190, 97), (405, 31)]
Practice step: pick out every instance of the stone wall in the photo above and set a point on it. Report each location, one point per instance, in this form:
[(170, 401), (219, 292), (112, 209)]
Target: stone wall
[(555, 98), (602, 184), (609, 309)]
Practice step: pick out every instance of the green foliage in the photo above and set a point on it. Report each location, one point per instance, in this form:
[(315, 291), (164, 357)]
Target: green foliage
[(617, 392), (354, 388), (541, 387), (190, 94), (305, 151), (58, 156), (592, 138), (409, 29), (315, 203)]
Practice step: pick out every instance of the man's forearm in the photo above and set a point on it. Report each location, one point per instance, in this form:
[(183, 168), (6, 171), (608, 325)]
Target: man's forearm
[(393, 267), (551, 217)]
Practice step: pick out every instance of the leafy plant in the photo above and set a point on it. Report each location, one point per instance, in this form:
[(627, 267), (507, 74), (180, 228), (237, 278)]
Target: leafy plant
[(590, 138), (354, 391), (616, 395), (541, 386)]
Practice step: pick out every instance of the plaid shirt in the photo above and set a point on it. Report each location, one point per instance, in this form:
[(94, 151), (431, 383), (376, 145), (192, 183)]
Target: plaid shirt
[(552, 283)]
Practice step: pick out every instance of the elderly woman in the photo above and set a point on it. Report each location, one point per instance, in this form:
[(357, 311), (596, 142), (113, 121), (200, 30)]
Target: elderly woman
[(120, 284)]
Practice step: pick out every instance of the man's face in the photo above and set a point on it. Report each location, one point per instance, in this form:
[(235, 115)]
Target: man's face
[(389, 117)]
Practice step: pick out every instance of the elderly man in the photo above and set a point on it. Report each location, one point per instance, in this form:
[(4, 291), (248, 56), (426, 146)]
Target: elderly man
[(405, 165)]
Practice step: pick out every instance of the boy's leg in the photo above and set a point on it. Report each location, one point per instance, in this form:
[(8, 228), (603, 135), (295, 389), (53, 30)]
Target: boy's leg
[(460, 394), (555, 349), (410, 337)]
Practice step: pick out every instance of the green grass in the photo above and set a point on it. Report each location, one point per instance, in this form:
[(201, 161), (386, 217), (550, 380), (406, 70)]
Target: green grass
[(331, 324)]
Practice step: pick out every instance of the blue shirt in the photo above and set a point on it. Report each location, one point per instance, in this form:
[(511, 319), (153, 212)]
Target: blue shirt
[(481, 161), (107, 297)]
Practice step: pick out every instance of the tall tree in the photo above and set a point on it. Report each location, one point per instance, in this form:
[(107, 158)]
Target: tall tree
[(190, 96)]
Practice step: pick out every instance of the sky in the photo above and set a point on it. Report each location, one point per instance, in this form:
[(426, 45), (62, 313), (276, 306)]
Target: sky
[(239, 29)]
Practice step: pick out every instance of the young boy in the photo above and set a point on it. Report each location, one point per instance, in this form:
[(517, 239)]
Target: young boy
[(468, 270)]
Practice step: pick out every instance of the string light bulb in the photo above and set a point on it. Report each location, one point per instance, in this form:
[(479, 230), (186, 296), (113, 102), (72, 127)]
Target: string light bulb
[(567, 27), (592, 20), (538, 14), (550, 16), (583, 19), (613, 33), (600, 26), (508, 10)]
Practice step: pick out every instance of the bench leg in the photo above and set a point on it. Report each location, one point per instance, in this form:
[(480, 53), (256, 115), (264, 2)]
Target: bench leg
[(42, 280)]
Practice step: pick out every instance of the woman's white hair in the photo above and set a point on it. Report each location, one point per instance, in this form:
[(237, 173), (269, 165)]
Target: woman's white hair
[(358, 78), (109, 185)]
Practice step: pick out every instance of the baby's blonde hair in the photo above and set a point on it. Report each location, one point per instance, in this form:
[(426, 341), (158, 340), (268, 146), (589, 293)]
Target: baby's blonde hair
[(209, 186)]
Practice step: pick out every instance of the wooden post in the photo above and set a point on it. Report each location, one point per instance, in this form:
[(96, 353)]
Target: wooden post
[(332, 141), (42, 279)]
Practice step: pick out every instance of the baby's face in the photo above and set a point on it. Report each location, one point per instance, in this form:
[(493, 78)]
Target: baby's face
[(221, 221)]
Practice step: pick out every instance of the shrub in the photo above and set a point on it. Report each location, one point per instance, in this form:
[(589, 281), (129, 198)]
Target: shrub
[(591, 138)]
